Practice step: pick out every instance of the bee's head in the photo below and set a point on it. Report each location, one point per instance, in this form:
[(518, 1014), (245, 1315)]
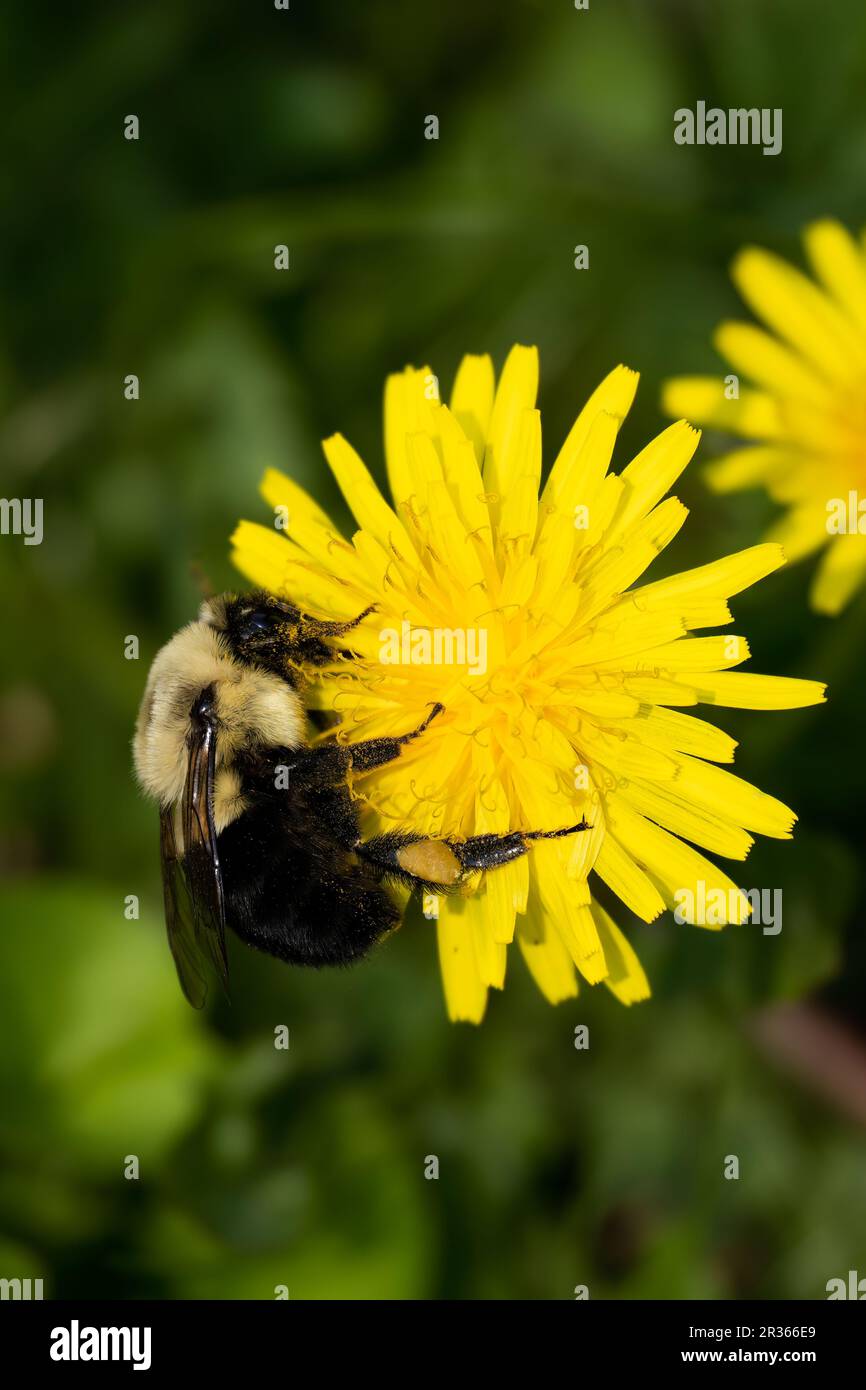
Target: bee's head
[(257, 628), (270, 632)]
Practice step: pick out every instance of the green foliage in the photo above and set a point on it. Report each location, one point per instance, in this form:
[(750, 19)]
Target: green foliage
[(98, 1056)]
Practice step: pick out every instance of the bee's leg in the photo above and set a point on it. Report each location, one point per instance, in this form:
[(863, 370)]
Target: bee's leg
[(414, 860), (321, 627), (440, 865), (311, 642), (273, 610), (332, 762), (490, 851)]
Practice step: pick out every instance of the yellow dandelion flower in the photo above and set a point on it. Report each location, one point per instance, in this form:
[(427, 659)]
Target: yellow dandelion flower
[(805, 408), (576, 708)]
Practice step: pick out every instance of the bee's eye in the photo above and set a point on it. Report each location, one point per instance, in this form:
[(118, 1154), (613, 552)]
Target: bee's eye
[(253, 624)]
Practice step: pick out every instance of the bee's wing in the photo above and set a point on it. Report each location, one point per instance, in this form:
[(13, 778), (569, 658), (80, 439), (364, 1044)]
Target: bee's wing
[(194, 904), (179, 919)]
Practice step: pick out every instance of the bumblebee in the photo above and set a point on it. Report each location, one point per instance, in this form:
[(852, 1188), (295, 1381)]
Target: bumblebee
[(258, 830)]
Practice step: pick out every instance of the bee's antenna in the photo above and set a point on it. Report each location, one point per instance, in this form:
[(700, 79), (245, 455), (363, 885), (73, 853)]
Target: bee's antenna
[(202, 580)]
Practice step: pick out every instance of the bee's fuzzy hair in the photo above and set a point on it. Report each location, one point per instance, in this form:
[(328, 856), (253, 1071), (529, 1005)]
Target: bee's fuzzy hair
[(253, 707)]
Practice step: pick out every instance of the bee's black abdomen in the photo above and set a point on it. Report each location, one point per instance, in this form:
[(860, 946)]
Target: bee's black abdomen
[(292, 890)]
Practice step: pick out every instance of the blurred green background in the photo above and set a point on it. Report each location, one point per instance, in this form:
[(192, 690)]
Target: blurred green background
[(305, 1167)]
